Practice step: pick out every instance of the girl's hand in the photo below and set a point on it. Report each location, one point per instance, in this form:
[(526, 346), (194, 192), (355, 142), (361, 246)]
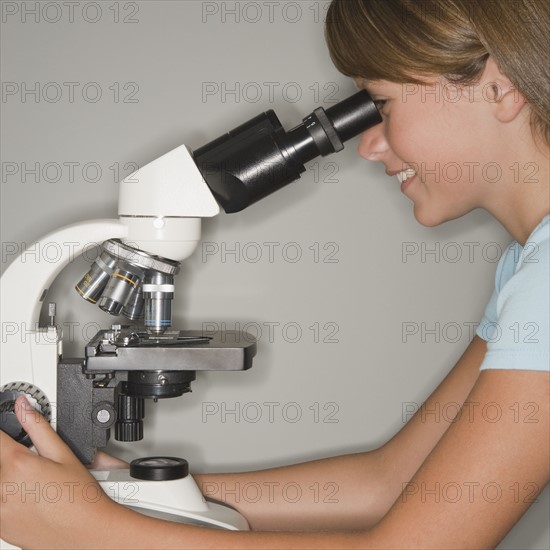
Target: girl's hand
[(103, 461), (49, 499)]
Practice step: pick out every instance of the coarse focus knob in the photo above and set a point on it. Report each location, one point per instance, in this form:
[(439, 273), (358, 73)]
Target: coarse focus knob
[(130, 413), (129, 431)]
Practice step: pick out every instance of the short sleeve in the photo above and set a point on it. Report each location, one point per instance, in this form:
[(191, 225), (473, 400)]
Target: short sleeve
[(516, 322), (505, 270)]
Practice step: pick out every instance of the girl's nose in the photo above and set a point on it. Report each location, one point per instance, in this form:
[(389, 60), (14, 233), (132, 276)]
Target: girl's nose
[(373, 144)]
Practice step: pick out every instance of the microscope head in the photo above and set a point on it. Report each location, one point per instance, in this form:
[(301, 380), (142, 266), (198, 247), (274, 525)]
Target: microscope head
[(163, 202)]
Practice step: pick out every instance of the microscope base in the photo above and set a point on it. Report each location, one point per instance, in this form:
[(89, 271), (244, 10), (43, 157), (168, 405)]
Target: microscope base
[(178, 500)]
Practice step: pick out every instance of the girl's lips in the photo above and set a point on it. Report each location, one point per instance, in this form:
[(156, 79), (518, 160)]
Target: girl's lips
[(405, 177), (406, 183)]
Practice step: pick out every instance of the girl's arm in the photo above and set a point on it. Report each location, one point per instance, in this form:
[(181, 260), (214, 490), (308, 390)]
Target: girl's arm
[(353, 491), (488, 468)]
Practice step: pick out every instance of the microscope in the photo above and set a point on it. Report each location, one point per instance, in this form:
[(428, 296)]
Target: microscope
[(160, 210)]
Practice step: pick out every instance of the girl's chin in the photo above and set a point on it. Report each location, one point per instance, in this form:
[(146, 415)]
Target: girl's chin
[(427, 217), (432, 217)]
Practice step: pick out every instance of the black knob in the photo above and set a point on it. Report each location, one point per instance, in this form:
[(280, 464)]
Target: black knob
[(129, 431), (8, 420), (159, 468), (130, 413)]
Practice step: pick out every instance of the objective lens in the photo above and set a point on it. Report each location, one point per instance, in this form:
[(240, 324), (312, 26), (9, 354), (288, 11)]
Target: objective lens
[(133, 310), (124, 281), (91, 286), (158, 291)]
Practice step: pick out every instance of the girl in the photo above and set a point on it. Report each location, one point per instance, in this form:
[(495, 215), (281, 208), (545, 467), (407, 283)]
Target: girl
[(459, 83)]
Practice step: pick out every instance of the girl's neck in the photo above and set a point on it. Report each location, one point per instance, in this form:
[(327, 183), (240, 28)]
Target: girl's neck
[(521, 202)]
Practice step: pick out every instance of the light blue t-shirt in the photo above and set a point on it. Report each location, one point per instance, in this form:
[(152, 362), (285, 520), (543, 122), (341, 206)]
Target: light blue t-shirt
[(516, 322)]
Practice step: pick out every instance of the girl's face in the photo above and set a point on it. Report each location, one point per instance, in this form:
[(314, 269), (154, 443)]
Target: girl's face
[(443, 143)]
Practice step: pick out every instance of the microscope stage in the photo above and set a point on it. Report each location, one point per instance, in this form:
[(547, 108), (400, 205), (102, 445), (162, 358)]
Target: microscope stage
[(135, 349)]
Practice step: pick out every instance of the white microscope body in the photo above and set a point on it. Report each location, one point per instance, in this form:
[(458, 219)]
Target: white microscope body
[(160, 208)]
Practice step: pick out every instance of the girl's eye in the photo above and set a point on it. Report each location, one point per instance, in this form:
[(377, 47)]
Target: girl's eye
[(380, 103)]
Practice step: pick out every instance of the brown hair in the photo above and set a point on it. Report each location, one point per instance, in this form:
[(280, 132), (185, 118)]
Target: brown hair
[(404, 40)]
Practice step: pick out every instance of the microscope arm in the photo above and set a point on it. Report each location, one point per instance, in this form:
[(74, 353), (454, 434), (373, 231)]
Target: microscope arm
[(37, 275), (28, 351)]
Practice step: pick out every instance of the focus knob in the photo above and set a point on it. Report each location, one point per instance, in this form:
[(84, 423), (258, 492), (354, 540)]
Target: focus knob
[(8, 421), (130, 413), (129, 431)]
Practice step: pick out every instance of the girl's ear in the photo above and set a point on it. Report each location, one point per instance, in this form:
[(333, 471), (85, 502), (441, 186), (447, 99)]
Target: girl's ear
[(499, 90)]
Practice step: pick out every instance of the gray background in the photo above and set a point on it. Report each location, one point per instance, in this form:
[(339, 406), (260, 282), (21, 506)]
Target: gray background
[(341, 386)]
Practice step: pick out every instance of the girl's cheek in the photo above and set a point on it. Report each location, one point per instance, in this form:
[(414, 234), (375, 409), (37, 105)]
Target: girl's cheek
[(398, 137)]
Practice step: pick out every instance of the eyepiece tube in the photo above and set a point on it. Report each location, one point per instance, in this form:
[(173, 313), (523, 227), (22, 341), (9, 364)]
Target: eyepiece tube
[(350, 115), (259, 157)]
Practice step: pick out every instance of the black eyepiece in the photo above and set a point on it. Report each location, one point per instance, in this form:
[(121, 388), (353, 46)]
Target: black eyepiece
[(259, 157)]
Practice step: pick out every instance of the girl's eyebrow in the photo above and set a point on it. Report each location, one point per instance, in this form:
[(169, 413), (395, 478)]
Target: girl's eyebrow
[(370, 85)]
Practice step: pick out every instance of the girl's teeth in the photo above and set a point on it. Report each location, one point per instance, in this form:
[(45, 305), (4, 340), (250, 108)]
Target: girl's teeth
[(406, 174)]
